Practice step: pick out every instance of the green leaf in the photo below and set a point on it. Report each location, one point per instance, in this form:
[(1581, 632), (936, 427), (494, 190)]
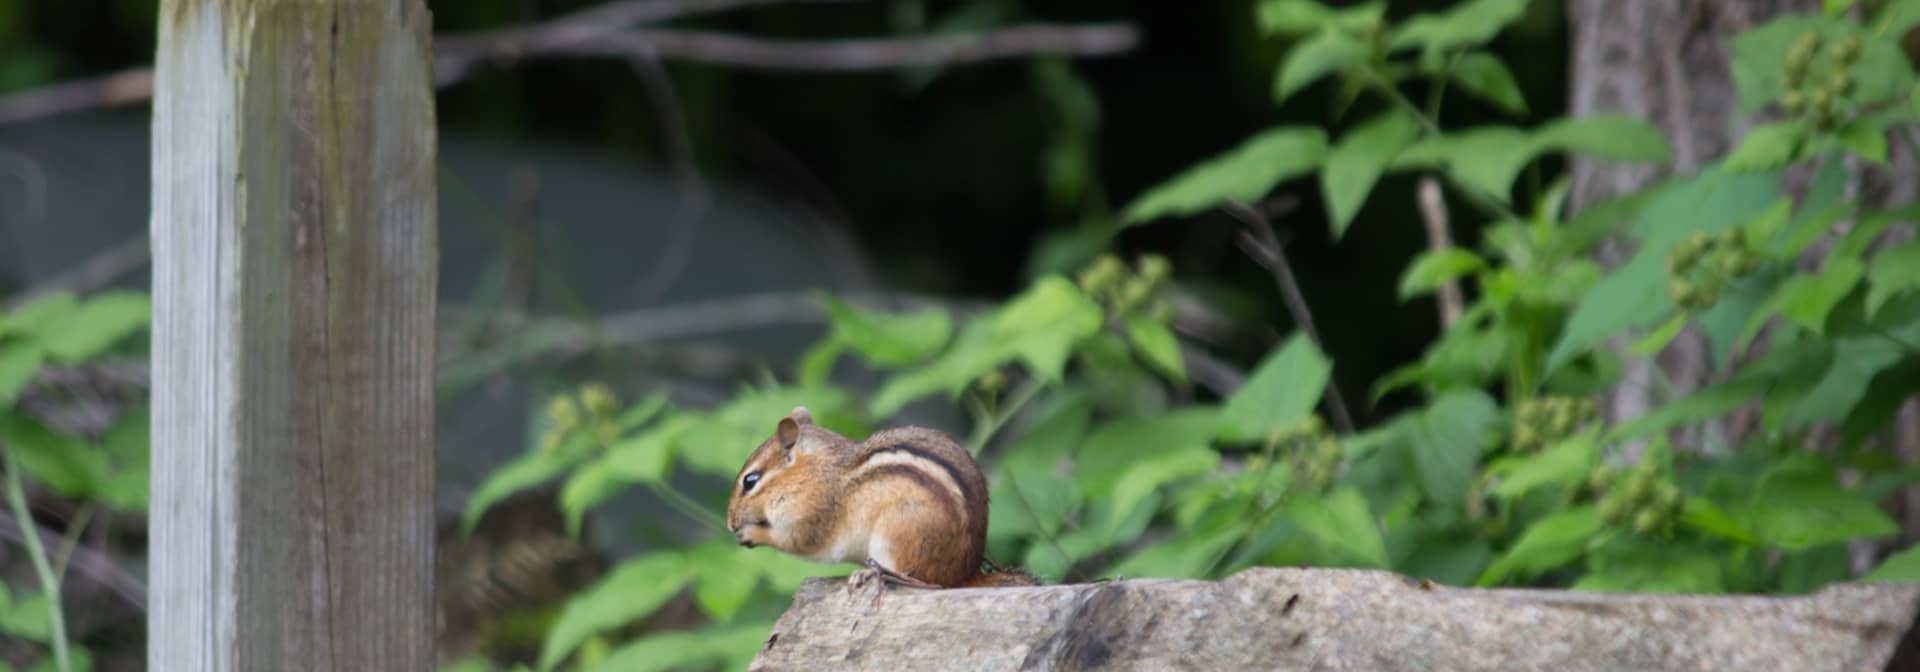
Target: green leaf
[(63, 464), (19, 362), (631, 591), (591, 484), (885, 339), (679, 650), (648, 456), (44, 313), (1807, 299), (1656, 569), (1328, 51), (98, 323), (1357, 162), (1607, 136), (1448, 440), (1040, 327), (1658, 339), (816, 365), (642, 411), (1154, 342), (1186, 556), (1466, 24), (1110, 452), (1281, 392), (1483, 75), (721, 584), (1548, 543), (1148, 472), (1564, 463), (1902, 567), (1448, 562), (1768, 147), (1635, 293), (1844, 381), (1701, 405), (1889, 272), (526, 471), (1798, 509), (1881, 74), (1292, 17), (1703, 515), (1488, 158), (1244, 174), (1434, 267), (1342, 521), (128, 446), (1867, 138), (28, 618)]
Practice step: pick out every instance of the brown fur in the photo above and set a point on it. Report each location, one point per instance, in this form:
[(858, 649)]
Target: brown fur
[(824, 496)]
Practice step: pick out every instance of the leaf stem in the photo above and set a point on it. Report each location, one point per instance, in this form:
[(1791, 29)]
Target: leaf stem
[(1432, 129), (686, 505), (17, 499), (994, 421)]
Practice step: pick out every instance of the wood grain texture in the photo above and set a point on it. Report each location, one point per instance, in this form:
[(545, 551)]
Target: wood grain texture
[(1330, 620), (295, 264)]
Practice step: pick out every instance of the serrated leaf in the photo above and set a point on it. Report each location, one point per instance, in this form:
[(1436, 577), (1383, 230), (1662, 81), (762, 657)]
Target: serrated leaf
[(1843, 382), (1771, 221), (1435, 267), (1154, 342), (1881, 74), (1152, 470), (1706, 403), (1343, 522), (1040, 327), (1483, 75), (732, 647), (1890, 272), (1548, 543), (1565, 462), (48, 311), (816, 365), (1656, 569), (1607, 136), (888, 339), (1183, 557), (127, 446), (1282, 391), (1327, 52), (28, 618), (1244, 174), (631, 591), (95, 325), (1356, 163), (1768, 147), (1448, 440), (19, 362)]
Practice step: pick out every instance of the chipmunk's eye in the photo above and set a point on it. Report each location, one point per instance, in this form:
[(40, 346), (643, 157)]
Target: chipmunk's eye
[(746, 484)]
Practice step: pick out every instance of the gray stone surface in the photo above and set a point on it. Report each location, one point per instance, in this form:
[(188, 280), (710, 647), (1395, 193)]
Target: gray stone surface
[(1333, 619)]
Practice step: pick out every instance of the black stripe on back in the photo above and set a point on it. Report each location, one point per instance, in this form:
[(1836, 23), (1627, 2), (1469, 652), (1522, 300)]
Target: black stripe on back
[(919, 477), (966, 487)]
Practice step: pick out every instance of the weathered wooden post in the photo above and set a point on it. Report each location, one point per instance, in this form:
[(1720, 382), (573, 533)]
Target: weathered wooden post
[(294, 268)]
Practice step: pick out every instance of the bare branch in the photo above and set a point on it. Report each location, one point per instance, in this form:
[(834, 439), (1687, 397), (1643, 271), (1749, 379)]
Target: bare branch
[(1433, 211), (695, 199), (1258, 241), (860, 54), (85, 561), (103, 269), (606, 31)]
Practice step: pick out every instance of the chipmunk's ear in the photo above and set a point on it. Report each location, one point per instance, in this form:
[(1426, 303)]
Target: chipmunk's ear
[(788, 431), (801, 415)]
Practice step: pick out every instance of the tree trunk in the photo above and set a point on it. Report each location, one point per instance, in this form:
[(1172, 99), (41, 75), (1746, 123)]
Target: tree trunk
[(294, 275)]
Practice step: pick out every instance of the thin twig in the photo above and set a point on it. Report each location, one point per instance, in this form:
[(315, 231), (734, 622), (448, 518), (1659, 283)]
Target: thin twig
[(1258, 241), (1433, 211), (696, 200)]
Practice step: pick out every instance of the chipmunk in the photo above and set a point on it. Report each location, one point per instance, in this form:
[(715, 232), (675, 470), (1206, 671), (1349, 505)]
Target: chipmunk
[(908, 503)]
